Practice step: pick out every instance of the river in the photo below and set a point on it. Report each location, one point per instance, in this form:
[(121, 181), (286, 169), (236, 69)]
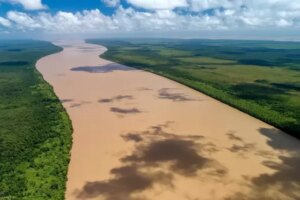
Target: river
[(140, 136)]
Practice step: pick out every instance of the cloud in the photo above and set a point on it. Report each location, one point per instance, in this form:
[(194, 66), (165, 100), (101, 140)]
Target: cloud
[(111, 3), (22, 20), (178, 16), (29, 4), (5, 22), (158, 4)]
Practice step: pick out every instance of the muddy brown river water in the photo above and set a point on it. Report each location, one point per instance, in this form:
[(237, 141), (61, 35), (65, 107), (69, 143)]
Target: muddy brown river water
[(139, 136)]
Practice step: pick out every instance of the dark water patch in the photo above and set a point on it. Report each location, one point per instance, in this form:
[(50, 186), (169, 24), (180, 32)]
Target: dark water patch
[(180, 152), (286, 179), (125, 110), (144, 89), (156, 157), (66, 100), (105, 100), (127, 181), (103, 69), (14, 63), (74, 105), (284, 182), (156, 147), (242, 148), (166, 93), (279, 140), (116, 98), (158, 129), (132, 137), (231, 135)]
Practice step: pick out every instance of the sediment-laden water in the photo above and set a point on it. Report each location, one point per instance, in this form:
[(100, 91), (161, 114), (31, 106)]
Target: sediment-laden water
[(140, 136)]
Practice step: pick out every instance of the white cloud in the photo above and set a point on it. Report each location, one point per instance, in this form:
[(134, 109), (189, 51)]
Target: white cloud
[(199, 5), (22, 20), (161, 18), (158, 4), (29, 4), (111, 3), (4, 22)]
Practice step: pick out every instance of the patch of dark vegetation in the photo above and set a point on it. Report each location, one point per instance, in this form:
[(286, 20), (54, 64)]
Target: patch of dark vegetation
[(295, 68), (35, 131), (255, 62), (14, 63), (103, 69), (204, 67), (210, 68), (255, 92), (233, 52), (125, 110), (288, 86), (157, 156), (261, 81)]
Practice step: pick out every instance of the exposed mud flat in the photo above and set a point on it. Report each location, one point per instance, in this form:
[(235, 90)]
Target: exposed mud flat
[(140, 136)]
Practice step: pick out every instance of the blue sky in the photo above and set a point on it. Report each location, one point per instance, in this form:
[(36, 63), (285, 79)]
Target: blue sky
[(60, 5), (249, 19)]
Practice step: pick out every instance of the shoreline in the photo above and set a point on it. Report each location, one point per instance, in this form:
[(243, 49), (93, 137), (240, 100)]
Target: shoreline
[(228, 101), (212, 144)]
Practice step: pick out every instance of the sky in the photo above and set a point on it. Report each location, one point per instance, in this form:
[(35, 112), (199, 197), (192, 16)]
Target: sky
[(227, 19)]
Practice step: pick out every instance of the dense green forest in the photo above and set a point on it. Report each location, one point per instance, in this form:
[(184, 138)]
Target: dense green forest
[(35, 131), (261, 78)]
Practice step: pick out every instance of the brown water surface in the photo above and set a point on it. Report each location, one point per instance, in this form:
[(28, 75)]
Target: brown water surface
[(140, 136)]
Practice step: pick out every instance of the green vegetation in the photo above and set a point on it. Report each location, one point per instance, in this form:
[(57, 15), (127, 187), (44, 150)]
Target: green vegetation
[(261, 78), (35, 131)]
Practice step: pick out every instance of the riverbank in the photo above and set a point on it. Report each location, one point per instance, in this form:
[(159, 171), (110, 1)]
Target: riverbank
[(141, 136), (35, 131), (262, 82)]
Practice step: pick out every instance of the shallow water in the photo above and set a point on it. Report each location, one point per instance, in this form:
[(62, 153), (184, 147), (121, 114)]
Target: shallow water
[(141, 136)]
